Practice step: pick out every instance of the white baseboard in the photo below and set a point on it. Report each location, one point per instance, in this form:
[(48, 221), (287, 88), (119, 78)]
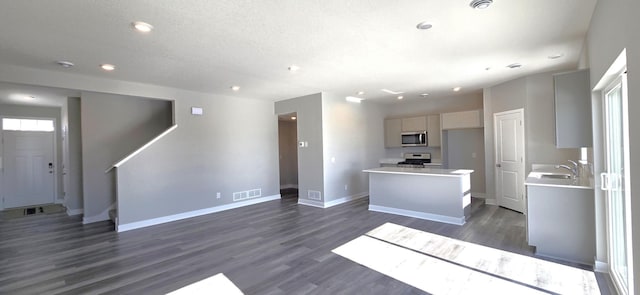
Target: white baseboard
[(601, 266), (487, 199), (584, 263), (479, 195), (332, 203), (102, 216), (416, 214), (345, 199), (195, 213), (286, 186), (73, 212), (311, 203), (493, 202)]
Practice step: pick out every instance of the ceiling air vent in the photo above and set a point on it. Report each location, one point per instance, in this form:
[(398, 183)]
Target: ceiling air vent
[(480, 4)]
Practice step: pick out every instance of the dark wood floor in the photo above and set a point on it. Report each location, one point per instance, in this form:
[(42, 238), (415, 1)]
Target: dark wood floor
[(277, 247)]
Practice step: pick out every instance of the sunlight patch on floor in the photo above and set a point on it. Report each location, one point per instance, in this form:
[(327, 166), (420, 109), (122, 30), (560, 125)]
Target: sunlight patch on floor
[(442, 265), (218, 284)]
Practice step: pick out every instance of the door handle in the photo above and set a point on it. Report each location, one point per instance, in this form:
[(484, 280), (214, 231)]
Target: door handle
[(498, 165), (604, 181), (50, 165)]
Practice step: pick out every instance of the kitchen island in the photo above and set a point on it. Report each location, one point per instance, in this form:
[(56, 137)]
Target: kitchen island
[(434, 194)]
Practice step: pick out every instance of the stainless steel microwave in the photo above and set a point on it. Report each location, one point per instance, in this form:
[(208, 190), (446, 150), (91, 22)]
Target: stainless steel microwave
[(414, 138)]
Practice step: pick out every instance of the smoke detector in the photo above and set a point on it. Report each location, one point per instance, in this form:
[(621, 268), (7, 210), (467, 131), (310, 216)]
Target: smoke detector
[(480, 4)]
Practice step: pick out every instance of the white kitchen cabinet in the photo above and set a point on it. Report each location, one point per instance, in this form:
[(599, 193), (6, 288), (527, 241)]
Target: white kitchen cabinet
[(461, 120), (418, 123), (433, 131), (392, 133), (573, 109)]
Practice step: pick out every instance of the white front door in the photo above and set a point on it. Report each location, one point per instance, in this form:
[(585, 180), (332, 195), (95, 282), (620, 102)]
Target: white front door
[(28, 172), (509, 155)]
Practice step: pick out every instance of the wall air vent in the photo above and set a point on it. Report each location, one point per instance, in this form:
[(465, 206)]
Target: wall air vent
[(314, 195), (250, 194)]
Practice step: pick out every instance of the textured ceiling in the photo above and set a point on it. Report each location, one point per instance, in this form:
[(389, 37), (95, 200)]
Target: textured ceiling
[(341, 46)]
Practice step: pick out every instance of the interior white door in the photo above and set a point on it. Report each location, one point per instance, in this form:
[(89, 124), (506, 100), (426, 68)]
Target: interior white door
[(509, 155), (28, 174)]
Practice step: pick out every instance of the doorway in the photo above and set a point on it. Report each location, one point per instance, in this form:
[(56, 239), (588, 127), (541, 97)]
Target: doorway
[(509, 155), (28, 153), (288, 155)]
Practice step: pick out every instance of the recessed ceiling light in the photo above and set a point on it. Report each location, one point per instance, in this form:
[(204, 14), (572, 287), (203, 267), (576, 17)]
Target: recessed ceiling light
[(65, 64), (424, 94), (456, 89), (400, 97), (293, 68), (360, 93), (108, 67), (555, 56), (514, 66), (235, 88), (424, 26), (353, 99), (391, 91), (142, 27), (29, 97), (293, 118), (480, 4)]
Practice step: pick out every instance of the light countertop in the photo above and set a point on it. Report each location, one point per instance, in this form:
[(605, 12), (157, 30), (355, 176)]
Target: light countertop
[(536, 178), (420, 171)]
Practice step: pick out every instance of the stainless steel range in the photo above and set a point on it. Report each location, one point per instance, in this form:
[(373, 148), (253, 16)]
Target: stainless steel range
[(415, 160)]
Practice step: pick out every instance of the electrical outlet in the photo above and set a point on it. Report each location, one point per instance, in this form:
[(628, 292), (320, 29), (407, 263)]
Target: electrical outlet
[(346, 187), (218, 195), (473, 155)]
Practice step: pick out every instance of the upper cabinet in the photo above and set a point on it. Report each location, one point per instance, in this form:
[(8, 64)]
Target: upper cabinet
[(392, 133), (433, 130), (461, 120), (573, 109), (414, 124)]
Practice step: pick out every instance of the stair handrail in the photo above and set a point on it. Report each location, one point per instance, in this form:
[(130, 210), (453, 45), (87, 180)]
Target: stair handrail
[(143, 147)]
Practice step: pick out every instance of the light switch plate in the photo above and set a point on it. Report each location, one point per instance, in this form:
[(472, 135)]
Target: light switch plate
[(196, 111)]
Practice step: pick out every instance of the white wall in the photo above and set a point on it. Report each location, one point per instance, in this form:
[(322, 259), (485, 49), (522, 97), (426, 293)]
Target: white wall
[(535, 94), (73, 146), (462, 145), (113, 126), (232, 147), (614, 27), (353, 135), (433, 105)]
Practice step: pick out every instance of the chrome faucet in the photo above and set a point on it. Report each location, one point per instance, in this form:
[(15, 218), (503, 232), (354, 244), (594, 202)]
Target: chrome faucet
[(575, 170)]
